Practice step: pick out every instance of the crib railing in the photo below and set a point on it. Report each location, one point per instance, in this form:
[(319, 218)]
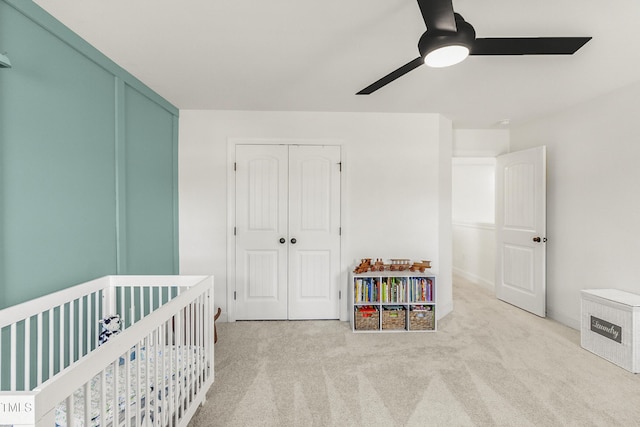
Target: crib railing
[(51, 343), (41, 337)]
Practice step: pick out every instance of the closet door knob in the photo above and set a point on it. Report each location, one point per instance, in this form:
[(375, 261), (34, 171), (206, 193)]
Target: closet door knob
[(293, 241), (283, 240)]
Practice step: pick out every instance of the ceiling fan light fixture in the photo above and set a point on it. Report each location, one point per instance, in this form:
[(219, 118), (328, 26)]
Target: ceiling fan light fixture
[(445, 48), (446, 56)]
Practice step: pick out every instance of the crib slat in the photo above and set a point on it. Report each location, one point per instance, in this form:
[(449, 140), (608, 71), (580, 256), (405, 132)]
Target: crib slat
[(153, 374), (61, 322), (72, 332), (138, 389), (51, 346), (139, 309), (192, 354), (132, 310), (70, 411), (122, 306), (187, 352), (200, 343), (97, 297), (148, 381), (116, 393), (176, 367), (127, 388), (163, 375), (80, 328), (39, 350), (150, 299), (159, 386), (169, 366), (195, 368), (14, 352), (88, 325), (103, 397), (199, 329), (87, 403), (27, 354)]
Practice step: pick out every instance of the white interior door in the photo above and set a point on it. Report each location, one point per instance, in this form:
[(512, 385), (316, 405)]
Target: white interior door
[(521, 229), (261, 226), (287, 232), (314, 226)]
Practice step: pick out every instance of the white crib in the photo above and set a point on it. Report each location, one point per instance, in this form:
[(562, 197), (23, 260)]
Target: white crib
[(156, 372)]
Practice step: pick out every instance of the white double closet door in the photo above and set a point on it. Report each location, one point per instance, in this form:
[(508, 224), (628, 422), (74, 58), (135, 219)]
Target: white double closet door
[(287, 232)]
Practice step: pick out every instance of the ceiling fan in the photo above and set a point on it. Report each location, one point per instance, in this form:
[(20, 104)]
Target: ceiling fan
[(449, 39)]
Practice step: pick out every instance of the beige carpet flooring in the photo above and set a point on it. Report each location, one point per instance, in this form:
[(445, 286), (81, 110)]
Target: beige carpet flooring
[(489, 364)]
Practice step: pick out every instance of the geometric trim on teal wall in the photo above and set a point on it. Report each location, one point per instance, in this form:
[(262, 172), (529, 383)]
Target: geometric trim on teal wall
[(55, 27), (176, 219), (121, 179)]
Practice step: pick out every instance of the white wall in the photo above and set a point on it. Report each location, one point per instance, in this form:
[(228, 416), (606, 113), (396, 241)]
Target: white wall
[(593, 198), (480, 142), (473, 209), (473, 203), (394, 194)]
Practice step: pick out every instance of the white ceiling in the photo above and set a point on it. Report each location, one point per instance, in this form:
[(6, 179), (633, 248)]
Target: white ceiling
[(315, 55)]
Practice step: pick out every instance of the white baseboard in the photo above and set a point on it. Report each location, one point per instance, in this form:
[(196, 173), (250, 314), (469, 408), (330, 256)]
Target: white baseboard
[(565, 320), (475, 279)]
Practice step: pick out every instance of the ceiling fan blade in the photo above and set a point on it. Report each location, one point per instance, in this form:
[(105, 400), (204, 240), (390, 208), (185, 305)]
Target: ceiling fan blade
[(438, 15), (392, 76), (528, 46)]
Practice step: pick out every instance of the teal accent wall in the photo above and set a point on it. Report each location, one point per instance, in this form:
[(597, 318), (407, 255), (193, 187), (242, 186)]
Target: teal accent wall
[(149, 155), (88, 163)]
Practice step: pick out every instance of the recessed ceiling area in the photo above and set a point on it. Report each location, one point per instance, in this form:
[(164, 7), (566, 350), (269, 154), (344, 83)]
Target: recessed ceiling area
[(299, 55)]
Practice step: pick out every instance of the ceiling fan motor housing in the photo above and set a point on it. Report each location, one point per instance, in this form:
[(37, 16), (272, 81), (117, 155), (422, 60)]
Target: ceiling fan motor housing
[(435, 39)]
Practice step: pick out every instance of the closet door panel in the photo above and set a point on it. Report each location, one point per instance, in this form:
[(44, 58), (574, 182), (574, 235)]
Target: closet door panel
[(261, 223), (314, 226)]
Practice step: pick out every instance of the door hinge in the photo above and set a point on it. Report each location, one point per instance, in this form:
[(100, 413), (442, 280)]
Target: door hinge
[(235, 166), (234, 295), (340, 166), (339, 294), (234, 231), (339, 231)]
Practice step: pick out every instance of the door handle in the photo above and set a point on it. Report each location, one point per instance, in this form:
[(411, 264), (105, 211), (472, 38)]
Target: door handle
[(538, 239), (293, 241), (283, 240)]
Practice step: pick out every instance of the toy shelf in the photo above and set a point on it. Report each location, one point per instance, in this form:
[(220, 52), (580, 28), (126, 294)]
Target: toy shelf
[(386, 301)]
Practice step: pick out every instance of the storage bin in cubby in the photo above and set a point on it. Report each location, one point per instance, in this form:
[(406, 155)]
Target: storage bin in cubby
[(394, 318), (367, 318), (421, 319)]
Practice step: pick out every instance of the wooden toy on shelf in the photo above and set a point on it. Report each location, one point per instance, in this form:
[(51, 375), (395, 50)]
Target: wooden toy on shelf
[(378, 265), (399, 264), (364, 266), (420, 266)]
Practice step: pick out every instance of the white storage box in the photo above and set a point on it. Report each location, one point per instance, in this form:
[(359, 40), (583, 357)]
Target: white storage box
[(611, 326)]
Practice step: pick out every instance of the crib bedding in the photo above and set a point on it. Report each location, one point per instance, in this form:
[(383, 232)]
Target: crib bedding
[(149, 382)]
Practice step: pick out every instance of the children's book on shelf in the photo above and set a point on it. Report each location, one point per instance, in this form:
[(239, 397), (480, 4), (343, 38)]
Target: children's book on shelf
[(366, 289), (421, 289)]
